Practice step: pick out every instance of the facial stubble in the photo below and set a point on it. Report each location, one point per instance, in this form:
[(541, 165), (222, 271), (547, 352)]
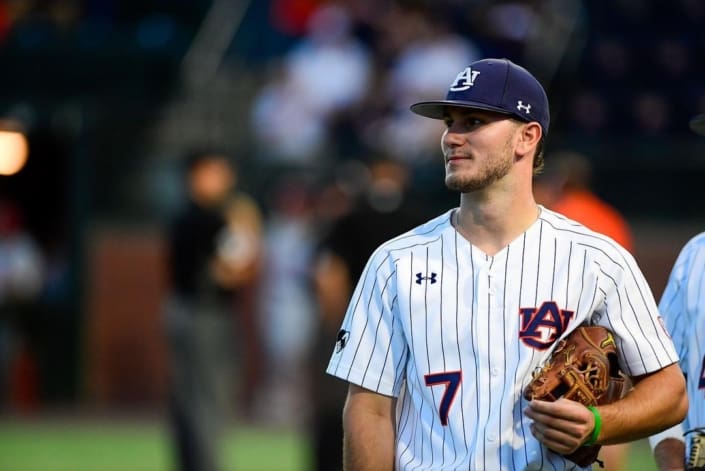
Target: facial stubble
[(494, 168)]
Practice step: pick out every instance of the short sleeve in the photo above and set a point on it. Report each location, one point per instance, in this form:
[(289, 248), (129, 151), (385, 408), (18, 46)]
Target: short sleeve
[(632, 314), (371, 349)]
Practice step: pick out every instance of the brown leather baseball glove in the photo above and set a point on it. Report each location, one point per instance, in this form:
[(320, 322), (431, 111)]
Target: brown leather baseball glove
[(583, 368)]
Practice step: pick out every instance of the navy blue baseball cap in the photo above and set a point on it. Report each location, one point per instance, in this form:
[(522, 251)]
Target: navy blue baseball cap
[(697, 124), (494, 85)]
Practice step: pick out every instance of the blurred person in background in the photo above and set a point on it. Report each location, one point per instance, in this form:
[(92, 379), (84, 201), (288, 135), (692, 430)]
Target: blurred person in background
[(325, 73), (565, 186), (682, 307), (383, 210), (214, 258), (22, 277), (426, 53), (287, 302)]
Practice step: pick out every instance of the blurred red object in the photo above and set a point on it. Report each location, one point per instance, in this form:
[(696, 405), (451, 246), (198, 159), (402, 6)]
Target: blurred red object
[(24, 382), (291, 17)]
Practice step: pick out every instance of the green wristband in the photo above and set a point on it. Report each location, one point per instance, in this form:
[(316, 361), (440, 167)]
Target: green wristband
[(598, 426)]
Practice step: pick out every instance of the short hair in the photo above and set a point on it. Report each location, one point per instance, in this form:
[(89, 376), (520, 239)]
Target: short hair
[(538, 156), (195, 157)]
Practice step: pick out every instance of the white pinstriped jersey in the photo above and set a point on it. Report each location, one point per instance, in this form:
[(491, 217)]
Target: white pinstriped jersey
[(455, 334), (683, 308)]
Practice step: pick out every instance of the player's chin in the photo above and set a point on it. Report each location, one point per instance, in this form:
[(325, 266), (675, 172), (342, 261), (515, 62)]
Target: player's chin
[(451, 182), (455, 182)]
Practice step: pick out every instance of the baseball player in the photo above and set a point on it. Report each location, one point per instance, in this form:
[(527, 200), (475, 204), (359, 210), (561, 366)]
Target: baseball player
[(683, 309), (449, 320)]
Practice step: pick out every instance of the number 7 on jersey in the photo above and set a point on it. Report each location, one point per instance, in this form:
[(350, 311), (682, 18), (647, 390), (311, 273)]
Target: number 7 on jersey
[(451, 380)]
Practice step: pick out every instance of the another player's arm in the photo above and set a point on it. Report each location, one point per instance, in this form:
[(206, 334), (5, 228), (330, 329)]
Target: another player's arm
[(369, 431), (669, 454)]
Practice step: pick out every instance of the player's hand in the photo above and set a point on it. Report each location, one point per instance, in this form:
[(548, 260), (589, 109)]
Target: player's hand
[(562, 426)]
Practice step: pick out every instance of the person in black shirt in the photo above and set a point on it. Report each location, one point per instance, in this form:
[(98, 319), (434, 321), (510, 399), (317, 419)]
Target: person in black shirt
[(213, 257), (384, 211)]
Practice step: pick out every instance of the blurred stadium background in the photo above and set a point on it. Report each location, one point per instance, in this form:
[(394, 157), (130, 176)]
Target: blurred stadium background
[(107, 95)]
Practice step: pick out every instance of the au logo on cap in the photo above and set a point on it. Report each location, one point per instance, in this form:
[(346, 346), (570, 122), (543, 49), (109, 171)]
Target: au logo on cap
[(464, 80)]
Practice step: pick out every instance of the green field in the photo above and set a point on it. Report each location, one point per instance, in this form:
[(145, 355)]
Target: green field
[(140, 445), (107, 445)]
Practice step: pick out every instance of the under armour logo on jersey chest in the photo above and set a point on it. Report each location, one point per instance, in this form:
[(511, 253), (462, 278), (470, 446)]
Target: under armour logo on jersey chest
[(421, 277), (540, 327)]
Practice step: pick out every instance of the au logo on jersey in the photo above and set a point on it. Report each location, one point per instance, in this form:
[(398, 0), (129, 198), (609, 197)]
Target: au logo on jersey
[(540, 327), (464, 80)]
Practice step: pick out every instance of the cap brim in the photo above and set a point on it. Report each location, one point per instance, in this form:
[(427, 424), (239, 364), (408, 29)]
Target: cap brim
[(697, 124), (437, 109)]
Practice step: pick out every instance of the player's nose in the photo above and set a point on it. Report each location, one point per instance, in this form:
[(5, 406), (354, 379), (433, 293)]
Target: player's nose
[(452, 138)]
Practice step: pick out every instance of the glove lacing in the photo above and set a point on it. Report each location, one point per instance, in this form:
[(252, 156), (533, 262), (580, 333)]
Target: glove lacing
[(696, 457)]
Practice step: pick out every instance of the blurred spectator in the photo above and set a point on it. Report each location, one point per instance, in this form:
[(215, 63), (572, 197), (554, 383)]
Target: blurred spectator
[(565, 187), (589, 111), (383, 212), (291, 17), (214, 260), (287, 301), (426, 61), (652, 113), (613, 60), (673, 58), (22, 277), (512, 22), (329, 68), (326, 72), (337, 195)]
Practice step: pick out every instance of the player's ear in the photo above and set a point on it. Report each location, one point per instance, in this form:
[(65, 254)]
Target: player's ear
[(529, 137)]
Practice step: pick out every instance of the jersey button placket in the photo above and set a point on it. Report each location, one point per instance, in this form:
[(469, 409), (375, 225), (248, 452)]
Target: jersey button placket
[(496, 288)]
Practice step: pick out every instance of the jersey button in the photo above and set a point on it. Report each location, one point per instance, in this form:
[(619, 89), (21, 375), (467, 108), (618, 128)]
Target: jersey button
[(491, 437), (494, 371)]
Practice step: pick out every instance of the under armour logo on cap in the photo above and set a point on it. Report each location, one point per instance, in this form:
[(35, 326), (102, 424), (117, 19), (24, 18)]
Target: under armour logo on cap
[(522, 106), (495, 85)]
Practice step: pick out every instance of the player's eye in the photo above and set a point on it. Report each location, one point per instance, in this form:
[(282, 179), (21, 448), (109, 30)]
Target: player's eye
[(472, 122), (467, 122)]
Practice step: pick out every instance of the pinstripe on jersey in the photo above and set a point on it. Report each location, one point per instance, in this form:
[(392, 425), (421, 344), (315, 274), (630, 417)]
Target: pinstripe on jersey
[(455, 334), (683, 308)]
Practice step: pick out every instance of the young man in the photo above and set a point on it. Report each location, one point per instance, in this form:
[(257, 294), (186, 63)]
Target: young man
[(449, 320), (683, 309)]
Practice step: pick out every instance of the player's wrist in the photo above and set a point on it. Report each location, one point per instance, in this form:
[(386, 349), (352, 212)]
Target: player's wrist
[(592, 439)]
